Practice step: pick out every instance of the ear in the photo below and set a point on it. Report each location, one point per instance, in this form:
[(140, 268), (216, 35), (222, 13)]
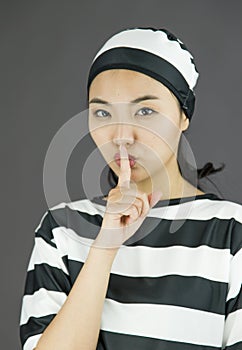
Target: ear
[(184, 121)]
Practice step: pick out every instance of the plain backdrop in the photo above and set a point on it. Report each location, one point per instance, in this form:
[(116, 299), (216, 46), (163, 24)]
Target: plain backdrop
[(46, 51)]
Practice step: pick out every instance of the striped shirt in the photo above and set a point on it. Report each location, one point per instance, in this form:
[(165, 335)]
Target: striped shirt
[(174, 285)]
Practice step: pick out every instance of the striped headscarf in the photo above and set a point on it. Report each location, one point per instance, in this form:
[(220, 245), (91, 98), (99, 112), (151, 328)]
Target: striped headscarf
[(154, 52)]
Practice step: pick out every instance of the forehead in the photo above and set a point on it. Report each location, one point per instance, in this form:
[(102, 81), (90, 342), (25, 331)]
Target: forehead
[(127, 84), (127, 79)]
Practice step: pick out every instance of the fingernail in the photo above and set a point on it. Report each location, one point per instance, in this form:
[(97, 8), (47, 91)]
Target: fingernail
[(122, 151)]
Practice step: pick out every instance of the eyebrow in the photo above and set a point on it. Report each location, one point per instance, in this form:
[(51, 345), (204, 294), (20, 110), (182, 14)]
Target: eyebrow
[(136, 100)]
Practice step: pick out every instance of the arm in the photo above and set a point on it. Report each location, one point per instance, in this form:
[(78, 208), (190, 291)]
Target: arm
[(232, 336), (77, 324), (54, 315)]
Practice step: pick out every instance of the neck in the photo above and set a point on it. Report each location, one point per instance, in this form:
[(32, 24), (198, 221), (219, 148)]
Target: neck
[(169, 181)]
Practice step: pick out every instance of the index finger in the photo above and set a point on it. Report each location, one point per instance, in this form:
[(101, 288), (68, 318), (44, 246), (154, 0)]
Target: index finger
[(125, 169)]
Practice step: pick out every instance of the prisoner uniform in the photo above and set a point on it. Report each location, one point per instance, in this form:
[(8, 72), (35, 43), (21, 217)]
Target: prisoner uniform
[(175, 284)]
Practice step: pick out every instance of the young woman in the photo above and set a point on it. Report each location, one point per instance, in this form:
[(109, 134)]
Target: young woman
[(157, 262)]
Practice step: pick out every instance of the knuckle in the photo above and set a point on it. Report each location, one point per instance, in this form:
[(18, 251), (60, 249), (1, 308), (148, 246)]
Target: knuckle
[(140, 205), (136, 210), (114, 194), (132, 210), (145, 204)]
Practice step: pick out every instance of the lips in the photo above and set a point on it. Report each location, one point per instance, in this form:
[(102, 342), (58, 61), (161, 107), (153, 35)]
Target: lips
[(117, 157), (132, 159)]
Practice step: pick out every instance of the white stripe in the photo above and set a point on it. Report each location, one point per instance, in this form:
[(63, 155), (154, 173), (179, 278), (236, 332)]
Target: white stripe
[(203, 261), (41, 221), (199, 209), (31, 342), (43, 302), (235, 280), (204, 209), (233, 328), (44, 253), (69, 243), (165, 322), (86, 206), (82, 205), (58, 206)]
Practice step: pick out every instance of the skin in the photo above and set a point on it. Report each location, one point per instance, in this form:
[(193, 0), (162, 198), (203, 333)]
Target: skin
[(150, 129)]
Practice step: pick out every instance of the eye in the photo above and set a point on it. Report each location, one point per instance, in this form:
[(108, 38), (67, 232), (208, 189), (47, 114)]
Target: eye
[(100, 115), (146, 109)]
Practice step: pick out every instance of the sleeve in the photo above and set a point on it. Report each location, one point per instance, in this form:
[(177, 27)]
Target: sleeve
[(232, 335), (47, 285)]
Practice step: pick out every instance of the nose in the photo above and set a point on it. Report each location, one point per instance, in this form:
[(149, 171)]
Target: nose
[(123, 134)]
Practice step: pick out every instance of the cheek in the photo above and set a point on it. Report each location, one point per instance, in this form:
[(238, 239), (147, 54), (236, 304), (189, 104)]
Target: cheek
[(160, 149), (102, 142), (162, 144), (99, 135), (168, 134), (94, 135)]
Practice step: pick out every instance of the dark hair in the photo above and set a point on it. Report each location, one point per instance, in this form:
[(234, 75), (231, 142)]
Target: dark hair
[(198, 174)]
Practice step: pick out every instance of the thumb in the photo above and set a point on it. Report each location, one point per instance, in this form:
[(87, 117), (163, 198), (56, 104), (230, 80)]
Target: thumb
[(154, 197)]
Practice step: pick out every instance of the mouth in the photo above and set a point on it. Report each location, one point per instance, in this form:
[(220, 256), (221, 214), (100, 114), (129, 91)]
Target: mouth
[(132, 159)]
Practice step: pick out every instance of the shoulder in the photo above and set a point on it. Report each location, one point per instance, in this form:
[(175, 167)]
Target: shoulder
[(222, 208), (236, 238), (56, 215), (230, 208), (79, 215), (233, 210)]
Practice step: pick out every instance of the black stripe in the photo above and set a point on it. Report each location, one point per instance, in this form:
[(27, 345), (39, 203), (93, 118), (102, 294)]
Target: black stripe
[(192, 60), (119, 341), (174, 290), (65, 261), (168, 202), (236, 239), (84, 224), (35, 325), (215, 232), (74, 267), (48, 277), (147, 63), (45, 229), (184, 291), (234, 303), (237, 346)]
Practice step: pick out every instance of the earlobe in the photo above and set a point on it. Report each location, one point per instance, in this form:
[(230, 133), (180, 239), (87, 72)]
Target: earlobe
[(185, 122)]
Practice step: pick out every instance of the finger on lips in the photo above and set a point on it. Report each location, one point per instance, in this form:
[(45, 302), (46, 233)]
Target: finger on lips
[(140, 205), (125, 169)]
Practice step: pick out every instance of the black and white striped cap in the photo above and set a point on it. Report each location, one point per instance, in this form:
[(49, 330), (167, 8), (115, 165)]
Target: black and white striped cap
[(155, 52)]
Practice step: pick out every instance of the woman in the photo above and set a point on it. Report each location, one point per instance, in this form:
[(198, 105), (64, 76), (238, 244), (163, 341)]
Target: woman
[(145, 288)]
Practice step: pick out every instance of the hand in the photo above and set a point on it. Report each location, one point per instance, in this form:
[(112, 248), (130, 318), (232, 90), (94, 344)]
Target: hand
[(126, 208)]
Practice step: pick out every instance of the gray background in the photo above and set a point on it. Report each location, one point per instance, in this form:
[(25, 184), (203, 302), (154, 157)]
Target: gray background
[(46, 50)]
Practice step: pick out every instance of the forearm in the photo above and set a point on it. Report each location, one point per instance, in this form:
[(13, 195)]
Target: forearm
[(77, 324)]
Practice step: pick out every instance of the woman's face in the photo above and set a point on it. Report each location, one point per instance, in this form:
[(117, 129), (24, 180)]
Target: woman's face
[(150, 127)]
